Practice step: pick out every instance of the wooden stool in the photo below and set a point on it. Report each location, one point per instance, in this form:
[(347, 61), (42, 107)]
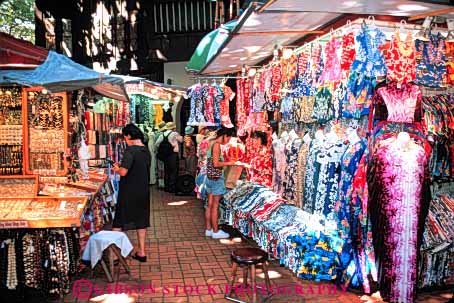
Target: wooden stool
[(108, 244), (248, 258)]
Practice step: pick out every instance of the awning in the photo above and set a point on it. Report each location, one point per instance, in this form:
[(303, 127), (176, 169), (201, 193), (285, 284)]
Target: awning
[(283, 22), (59, 73), (15, 53), (209, 47)]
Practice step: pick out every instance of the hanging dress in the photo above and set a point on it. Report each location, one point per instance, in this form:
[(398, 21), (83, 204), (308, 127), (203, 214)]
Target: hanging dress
[(401, 60), (431, 61)]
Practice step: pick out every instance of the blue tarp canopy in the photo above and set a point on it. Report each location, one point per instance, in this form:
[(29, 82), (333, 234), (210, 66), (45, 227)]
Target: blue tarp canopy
[(59, 73)]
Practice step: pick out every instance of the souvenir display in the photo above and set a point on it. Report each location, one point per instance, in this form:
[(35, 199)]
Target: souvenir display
[(26, 186), (11, 131), (46, 133)]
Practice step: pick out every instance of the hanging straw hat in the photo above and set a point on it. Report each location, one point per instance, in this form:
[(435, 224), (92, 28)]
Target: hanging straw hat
[(161, 126), (171, 125)]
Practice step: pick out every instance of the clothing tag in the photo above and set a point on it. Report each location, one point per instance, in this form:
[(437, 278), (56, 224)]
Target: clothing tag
[(3, 244), (427, 22), (450, 23), (46, 263)]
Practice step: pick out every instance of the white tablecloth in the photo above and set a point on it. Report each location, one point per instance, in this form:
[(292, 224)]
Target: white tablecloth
[(101, 240)]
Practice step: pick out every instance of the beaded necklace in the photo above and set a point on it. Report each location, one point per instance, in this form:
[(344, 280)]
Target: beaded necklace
[(11, 279)]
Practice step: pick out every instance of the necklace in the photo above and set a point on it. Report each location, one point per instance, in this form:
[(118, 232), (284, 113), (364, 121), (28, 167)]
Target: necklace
[(11, 279)]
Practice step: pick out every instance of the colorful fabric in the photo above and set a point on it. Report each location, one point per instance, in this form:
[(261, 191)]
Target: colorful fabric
[(431, 61), (401, 59), (369, 60)]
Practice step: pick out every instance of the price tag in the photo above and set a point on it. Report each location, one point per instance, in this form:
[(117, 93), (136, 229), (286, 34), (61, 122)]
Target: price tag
[(427, 22), (450, 23)]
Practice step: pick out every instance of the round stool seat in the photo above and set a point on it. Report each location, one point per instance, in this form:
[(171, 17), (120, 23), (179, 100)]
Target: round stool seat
[(249, 256)]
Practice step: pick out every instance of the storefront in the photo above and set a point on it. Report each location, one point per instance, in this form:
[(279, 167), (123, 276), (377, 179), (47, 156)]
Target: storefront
[(51, 132), (358, 111)]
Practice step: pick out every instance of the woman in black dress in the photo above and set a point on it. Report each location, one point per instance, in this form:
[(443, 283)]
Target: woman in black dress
[(133, 205)]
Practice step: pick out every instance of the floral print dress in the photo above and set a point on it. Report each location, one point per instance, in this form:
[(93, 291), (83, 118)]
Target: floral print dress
[(398, 178)]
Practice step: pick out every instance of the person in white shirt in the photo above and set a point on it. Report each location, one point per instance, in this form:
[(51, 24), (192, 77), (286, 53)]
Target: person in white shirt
[(171, 163)]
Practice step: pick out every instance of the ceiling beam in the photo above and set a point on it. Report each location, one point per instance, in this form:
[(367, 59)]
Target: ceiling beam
[(432, 13), (266, 33)]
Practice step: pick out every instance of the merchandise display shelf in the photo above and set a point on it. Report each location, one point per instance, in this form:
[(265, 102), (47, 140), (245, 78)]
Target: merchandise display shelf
[(42, 212)]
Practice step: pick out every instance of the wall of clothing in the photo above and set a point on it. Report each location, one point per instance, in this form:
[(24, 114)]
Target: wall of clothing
[(365, 127), (210, 104)]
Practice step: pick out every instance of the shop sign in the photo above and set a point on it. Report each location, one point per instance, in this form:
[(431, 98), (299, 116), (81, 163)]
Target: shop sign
[(13, 224)]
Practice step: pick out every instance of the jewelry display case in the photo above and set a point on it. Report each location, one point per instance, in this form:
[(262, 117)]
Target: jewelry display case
[(13, 186), (42, 212), (45, 132), (11, 137)]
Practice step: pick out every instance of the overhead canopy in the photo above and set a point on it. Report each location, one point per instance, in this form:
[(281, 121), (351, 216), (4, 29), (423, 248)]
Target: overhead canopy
[(283, 22), (59, 73), (15, 53), (209, 46)]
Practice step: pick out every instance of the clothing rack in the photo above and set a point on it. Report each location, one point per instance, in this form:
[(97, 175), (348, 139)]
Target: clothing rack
[(356, 24)]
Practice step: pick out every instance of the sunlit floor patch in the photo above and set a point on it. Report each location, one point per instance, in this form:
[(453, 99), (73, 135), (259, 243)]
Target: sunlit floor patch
[(177, 203), (114, 298), (271, 273), (230, 241)]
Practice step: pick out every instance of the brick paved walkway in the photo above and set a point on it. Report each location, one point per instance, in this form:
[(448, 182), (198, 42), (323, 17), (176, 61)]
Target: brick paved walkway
[(180, 255)]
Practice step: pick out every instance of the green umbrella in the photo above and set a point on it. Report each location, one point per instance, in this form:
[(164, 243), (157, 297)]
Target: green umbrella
[(209, 47)]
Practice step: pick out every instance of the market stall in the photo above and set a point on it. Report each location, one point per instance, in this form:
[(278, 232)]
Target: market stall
[(50, 202), (364, 138)]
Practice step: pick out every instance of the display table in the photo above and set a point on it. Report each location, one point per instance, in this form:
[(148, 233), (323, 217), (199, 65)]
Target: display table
[(42, 237), (42, 212)]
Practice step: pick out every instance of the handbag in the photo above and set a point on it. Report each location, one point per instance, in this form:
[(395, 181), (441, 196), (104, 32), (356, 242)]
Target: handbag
[(213, 173)]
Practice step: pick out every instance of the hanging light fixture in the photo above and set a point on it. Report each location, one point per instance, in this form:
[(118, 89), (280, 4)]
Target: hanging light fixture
[(251, 72), (287, 53)]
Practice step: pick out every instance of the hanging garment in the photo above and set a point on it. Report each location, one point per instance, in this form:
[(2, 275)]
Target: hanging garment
[(431, 61), (401, 59), (449, 62), (261, 171), (396, 206), (362, 264), (323, 107), (159, 116), (358, 100), (400, 101), (287, 110), (225, 106), (291, 173), (348, 53), (369, 60), (332, 68)]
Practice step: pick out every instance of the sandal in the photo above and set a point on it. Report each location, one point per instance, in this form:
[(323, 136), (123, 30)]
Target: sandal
[(142, 259)]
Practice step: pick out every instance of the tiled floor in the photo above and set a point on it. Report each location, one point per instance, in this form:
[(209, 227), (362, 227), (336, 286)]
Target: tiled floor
[(185, 266)]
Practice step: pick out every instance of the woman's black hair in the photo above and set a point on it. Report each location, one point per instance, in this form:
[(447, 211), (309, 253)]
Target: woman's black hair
[(133, 131), (262, 136), (224, 131)]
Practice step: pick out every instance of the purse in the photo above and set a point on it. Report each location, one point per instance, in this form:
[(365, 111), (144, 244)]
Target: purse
[(213, 173)]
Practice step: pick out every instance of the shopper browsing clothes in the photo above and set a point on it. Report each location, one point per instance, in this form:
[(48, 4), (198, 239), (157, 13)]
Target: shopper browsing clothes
[(133, 205), (168, 151), (214, 183)]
